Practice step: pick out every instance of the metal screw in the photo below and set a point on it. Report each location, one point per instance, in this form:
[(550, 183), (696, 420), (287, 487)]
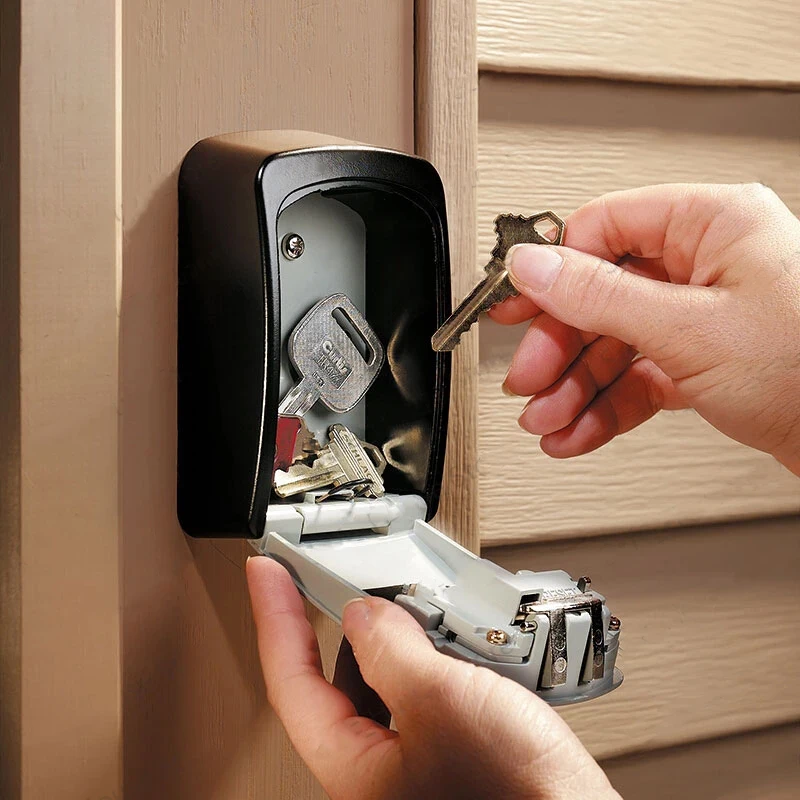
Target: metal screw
[(614, 624), (293, 246), (496, 636), (529, 624), (560, 664), (584, 584)]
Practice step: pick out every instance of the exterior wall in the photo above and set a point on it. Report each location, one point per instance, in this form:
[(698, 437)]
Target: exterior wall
[(579, 99)]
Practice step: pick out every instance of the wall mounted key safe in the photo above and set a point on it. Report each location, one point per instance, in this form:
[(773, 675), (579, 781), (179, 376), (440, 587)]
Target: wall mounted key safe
[(313, 409)]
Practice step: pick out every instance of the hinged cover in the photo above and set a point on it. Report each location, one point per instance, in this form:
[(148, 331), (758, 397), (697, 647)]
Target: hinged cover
[(542, 629)]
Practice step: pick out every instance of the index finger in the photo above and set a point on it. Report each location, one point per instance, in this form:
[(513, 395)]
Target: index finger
[(666, 222)]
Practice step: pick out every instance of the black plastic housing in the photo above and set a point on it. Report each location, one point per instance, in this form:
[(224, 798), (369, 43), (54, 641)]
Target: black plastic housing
[(232, 190)]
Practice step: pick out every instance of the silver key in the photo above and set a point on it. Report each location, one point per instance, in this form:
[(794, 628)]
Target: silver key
[(496, 286), (345, 460), (331, 368)]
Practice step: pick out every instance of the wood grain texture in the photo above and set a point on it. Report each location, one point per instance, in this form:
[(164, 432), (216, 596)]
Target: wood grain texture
[(69, 237), (196, 720), (446, 134), (554, 143), (704, 41), (762, 765), (707, 647), (10, 530)]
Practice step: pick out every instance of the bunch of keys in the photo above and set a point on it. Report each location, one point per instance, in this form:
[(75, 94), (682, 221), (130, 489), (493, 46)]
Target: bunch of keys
[(333, 371), (496, 286), (351, 468)]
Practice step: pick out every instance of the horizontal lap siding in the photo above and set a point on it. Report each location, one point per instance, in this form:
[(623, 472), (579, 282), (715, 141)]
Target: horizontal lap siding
[(762, 765), (707, 650), (556, 143), (704, 41), (708, 645)]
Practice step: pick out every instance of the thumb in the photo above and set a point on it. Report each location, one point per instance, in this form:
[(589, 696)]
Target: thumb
[(592, 294), (394, 654)]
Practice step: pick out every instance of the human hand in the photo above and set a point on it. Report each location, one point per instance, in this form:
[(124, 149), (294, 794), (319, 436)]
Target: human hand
[(703, 281), (462, 731)]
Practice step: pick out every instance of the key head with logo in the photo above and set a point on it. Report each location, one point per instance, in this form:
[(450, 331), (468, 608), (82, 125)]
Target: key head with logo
[(334, 349)]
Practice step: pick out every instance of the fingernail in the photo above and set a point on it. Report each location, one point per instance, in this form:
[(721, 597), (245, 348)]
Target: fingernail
[(533, 265), (504, 386), (356, 613)]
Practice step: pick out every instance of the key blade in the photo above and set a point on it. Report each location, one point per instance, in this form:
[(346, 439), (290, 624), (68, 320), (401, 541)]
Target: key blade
[(299, 399), (301, 478), (493, 289), (353, 459)]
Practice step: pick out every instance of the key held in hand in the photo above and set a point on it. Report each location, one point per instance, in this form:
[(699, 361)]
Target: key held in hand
[(511, 230)]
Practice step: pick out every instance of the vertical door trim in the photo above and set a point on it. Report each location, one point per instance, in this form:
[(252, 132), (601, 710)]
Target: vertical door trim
[(446, 130)]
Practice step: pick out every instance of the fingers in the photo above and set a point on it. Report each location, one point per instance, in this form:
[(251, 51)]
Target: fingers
[(656, 230), (667, 221), (558, 405), (513, 310), (591, 294), (393, 652), (545, 352), (641, 391), (319, 719), (520, 308)]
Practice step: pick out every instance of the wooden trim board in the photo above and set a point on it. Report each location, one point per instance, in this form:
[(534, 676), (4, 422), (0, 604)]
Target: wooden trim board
[(10, 443), (69, 457), (197, 724), (446, 134)]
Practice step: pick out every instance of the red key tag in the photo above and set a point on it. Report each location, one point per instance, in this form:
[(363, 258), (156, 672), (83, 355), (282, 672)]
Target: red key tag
[(286, 441)]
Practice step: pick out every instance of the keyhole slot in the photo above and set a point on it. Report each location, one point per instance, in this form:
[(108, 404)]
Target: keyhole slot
[(547, 229), (353, 334)]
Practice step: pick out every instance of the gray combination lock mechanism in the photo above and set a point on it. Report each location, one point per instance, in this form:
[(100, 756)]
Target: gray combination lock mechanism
[(312, 409)]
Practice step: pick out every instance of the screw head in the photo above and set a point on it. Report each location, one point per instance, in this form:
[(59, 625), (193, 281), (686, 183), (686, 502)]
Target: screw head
[(529, 624), (560, 664), (614, 624), (496, 636), (293, 246)]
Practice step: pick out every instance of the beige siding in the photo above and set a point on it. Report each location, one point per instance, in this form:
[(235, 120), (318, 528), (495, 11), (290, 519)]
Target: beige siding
[(707, 642), (553, 143), (552, 135), (704, 41), (762, 765)]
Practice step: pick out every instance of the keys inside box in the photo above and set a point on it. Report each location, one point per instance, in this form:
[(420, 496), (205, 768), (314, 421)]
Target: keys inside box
[(337, 357)]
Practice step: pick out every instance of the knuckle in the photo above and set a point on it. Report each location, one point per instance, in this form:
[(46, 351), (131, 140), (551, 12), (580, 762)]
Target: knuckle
[(757, 197), (599, 290)]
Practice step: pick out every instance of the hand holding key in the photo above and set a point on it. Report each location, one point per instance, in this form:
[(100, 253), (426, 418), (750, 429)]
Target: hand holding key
[(703, 281), (496, 286)]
